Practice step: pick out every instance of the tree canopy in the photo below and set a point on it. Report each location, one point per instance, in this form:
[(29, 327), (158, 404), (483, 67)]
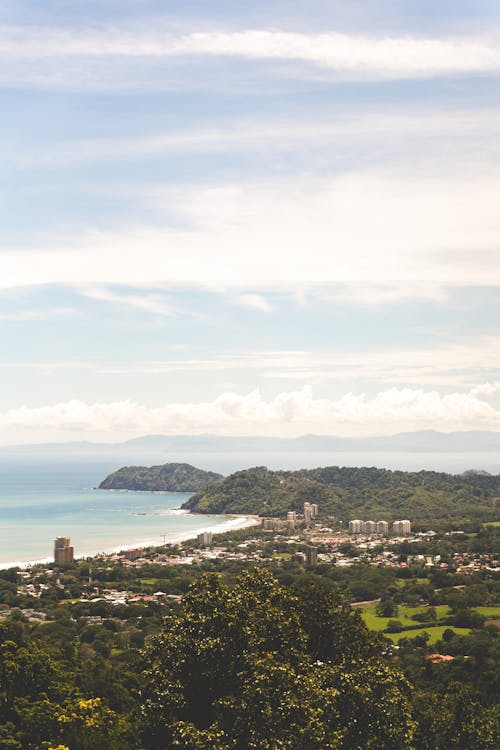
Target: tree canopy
[(259, 667)]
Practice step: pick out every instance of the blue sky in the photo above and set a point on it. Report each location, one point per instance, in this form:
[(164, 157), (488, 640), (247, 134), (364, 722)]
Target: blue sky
[(248, 218)]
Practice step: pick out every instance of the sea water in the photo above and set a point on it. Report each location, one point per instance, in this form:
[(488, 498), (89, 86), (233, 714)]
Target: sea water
[(42, 500)]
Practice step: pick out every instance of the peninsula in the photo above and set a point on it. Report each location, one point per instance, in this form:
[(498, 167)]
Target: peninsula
[(170, 477)]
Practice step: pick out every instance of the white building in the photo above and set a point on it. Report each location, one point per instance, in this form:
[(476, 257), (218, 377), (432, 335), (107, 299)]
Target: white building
[(356, 527), (401, 528), (382, 528), (205, 538)]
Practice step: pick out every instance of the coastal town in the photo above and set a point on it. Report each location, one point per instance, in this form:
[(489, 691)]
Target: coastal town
[(301, 540), (428, 599)]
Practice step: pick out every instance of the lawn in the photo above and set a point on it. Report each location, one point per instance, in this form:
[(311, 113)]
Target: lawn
[(373, 622), (435, 633), (492, 613), (158, 582)]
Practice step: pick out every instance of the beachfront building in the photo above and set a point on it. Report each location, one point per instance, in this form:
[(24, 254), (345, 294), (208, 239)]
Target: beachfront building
[(63, 552), (133, 554), (205, 538)]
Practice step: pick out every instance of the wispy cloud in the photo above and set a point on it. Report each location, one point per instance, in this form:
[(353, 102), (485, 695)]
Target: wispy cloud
[(254, 301), (151, 303), (357, 56), (366, 130), (382, 228), (469, 364), (37, 314)]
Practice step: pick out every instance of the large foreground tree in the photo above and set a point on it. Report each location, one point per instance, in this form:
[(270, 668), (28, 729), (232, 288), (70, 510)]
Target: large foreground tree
[(257, 667)]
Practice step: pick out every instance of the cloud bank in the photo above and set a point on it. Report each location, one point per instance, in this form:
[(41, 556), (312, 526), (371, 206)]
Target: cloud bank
[(288, 413)]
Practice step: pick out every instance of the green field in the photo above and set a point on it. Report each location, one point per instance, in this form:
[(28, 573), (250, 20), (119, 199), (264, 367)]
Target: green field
[(435, 633), (373, 622), (152, 582), (492, 613), (378, 624)]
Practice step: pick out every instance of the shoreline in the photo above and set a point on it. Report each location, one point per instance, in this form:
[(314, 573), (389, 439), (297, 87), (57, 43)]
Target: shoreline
[(234, 522)]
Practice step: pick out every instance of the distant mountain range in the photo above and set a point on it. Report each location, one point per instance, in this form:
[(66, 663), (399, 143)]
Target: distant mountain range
[(423, 441)]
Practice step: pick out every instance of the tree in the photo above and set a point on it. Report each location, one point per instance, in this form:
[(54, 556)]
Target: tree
[(386, 608), (455, 720), (239, 670)]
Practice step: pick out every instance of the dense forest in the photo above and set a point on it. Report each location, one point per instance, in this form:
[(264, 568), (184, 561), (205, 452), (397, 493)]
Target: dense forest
[(170, 477), (424, 496), (244, 663)]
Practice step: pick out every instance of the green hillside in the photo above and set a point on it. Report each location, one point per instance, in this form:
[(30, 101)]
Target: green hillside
[(355, 492), (167, 478)]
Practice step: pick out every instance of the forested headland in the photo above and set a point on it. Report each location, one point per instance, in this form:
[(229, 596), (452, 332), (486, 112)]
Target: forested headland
[(425, 496), (171, 477)]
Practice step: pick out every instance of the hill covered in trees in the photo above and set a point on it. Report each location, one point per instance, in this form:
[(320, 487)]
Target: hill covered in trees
[(355, 492), (165, 478)]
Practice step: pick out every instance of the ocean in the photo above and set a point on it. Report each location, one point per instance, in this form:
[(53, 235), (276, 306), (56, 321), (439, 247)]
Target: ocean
[(42, 500)]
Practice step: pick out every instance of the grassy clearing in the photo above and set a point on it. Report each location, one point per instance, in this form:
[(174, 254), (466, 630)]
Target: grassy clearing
[(152, 581), (492, 523), (435, 633), (401, 582), (492, 613), (373, 622)]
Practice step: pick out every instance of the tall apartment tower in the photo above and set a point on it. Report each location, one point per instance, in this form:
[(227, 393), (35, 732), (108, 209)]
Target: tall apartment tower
[(205, 538), (382, 528), (370, 527), (310, 511), (311, 555), (63, 552), (401, 528), (355, 527)]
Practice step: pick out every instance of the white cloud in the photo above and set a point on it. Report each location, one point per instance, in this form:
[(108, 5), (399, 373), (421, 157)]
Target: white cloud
[(254, 301), (486, 389), (288, 413), (478, 129), (38, 314), (379, 228), (152, 303), (365, 57), (463, 364)]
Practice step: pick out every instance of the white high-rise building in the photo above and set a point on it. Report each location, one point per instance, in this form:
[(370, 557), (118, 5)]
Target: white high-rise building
[(370, 527), (401, 528), (382, 528), (205, 538), (356, 527)]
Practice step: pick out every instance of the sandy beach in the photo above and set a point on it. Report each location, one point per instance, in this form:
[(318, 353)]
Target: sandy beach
[(233, 523)]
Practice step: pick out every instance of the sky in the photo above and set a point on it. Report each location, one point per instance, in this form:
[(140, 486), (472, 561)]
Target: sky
[(248, 218)]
